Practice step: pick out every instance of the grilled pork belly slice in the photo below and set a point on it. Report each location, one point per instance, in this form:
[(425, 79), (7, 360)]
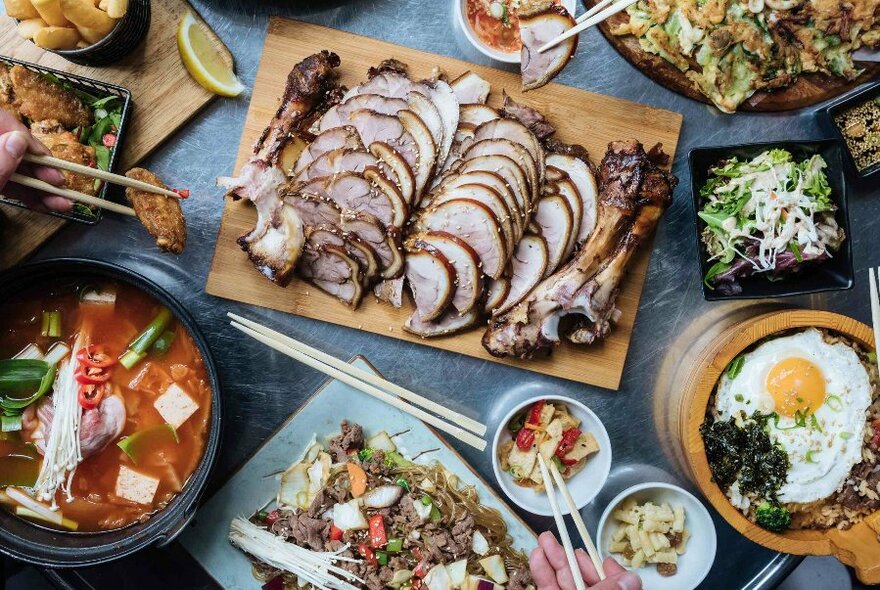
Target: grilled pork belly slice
[(628, 179), (332, 270), (490, 198), (333, 139), (583, 178), (353, 245), (384, 243), (537, 26), (475, 224), (449, 323), (528, 266), (514, 151), (431, 279), (390, 291), (553, 215), (496, 183), (469, 88), (466, 262), (496, 293), (369, 192), (507, 169)]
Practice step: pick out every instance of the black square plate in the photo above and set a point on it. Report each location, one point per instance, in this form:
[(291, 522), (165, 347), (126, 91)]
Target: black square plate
[(831, 275), (100, 90), (851, 99)]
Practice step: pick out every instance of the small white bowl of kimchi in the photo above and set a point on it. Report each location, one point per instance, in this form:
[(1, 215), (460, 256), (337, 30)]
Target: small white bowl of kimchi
[(492, 26), (563, 431)]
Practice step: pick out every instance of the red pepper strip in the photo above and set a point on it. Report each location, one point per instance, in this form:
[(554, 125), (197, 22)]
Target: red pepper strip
[(378, 538), (535, 413), (91, 375), (569, 437), (335, 533), (183, 192), (525, 438), (109, 140), (90, 395), (368, 555), (93, 355), (569, 462), (271, 517)]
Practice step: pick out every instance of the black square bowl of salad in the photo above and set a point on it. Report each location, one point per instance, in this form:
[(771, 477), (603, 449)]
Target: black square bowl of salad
[(771, 219), (84, 122)]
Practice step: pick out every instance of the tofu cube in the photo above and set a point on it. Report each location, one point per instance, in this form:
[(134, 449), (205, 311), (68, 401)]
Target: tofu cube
[(136, 486), (175, 405)]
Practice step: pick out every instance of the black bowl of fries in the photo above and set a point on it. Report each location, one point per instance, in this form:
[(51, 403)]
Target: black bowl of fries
[(80, 30)]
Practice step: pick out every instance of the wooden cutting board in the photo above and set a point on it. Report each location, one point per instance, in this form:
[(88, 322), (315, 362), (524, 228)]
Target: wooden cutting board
[(164, 97), (810, 89), (582, 117)]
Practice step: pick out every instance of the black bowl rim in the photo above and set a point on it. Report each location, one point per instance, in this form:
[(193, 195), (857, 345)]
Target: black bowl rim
[(163, 526), (842, 202), (830, 110), (121, 134)]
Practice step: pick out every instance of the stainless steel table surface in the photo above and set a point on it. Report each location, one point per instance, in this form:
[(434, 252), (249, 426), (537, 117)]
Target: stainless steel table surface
[(261, 388)]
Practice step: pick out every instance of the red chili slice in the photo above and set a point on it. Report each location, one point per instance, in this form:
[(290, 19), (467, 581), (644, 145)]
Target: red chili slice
[(91, 375), (90, 395), (93, 355)]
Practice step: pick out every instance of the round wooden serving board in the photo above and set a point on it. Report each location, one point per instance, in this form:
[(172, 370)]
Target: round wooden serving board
[(810, 89), (857, 546)]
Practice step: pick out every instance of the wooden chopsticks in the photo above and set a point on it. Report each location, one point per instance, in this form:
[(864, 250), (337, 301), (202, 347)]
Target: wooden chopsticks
[(560, 521), (875, 307), (459, 426), (589, 19), (100, 174), (70, 194)]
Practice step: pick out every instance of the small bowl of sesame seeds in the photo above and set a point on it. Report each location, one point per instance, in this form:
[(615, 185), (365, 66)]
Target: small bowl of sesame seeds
[(855, 119)]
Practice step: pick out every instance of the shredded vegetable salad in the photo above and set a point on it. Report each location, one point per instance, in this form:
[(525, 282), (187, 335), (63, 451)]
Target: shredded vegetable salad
[(767, 216)]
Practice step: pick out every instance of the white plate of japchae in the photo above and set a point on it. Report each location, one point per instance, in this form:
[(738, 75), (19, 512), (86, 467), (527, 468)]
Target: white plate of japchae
[(379, 501)]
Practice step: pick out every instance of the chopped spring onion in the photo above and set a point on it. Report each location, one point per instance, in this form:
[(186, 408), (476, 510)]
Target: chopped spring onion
[(809, 456), (67, 523), (57, 353), (138, 348), (834, 402), (23, 499), (163, 344), (11, 423), (318, 569), (394, 545), (846, 435), (51, 325), (30, 352)]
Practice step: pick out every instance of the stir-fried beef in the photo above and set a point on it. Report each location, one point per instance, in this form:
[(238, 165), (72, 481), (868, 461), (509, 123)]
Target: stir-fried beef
[(351, 437), (325, 500), (376, 466), (463, 529), (850, 497), (520, 580), (303, 529)]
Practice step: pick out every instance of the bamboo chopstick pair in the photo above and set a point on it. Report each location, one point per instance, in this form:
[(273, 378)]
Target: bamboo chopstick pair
[(590, 18), (457, 425), (560, 522), (90, 172)]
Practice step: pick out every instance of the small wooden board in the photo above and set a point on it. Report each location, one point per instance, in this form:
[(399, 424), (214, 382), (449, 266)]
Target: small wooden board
[(810, 89), (164, 96), (582, 117)]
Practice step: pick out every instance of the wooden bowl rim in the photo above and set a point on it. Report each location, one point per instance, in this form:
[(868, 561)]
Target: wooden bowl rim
[(704, 379)]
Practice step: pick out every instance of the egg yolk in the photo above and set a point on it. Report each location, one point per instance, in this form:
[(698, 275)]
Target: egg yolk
[(796, 385)]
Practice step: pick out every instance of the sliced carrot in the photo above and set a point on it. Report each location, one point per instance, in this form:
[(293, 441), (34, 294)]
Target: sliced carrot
[(358, 478)]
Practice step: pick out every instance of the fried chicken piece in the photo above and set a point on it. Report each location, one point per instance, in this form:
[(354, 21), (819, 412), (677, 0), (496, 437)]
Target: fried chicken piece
[(7, 96), (161, 215), (39, 99), (64, 145)]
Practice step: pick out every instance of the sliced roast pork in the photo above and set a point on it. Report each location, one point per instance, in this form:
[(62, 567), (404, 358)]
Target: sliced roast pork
[(332, 270), (475, 224), (338, 115), (565, 188), (276, 243), (496, 293), (390, 291), (333, 139), (528, 266), (469, 88), (514, 151), (369, 192), (402, 172), (507, 169), (313, 210), (430, 277), (384, 243), (583, 178), (553, 215), (528, 116), (496, 183), (477, 114), (488, 197), (353, 245), (449, 323), (513, 130), (341, 160), (465, 261), (537, 26)]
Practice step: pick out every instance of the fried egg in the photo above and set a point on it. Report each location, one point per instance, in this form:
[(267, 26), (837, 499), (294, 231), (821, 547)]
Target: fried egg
[(818, 395)]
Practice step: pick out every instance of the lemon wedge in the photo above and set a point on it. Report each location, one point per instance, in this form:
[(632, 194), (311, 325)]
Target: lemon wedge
[(202, 60)]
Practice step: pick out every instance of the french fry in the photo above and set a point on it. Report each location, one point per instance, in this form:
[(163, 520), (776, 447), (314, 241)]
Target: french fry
[(116, 8), (56, 38), (84, 14), (90, 36), (27, 28), (20, 9), (50, 11)]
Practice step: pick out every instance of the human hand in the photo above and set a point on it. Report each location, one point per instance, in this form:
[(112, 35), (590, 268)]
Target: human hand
[(15, 141), (551, 572)]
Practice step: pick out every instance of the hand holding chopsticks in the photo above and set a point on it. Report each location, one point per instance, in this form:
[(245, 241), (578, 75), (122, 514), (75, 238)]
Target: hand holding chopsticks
[(458, 425), (590, 18)]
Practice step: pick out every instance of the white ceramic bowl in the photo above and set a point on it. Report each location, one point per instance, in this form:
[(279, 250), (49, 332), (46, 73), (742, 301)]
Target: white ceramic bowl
[(471, 36), (585, 484), (699, 555)]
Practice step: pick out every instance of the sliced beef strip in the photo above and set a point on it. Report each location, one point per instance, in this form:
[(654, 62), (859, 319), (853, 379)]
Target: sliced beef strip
[(849, 495), (351, 436), (326, 498)]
